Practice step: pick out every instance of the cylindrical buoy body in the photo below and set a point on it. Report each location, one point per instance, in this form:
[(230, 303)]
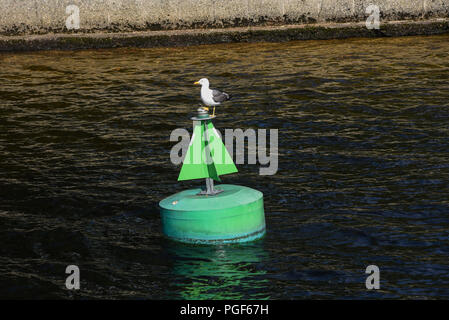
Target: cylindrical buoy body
[(234, 215)]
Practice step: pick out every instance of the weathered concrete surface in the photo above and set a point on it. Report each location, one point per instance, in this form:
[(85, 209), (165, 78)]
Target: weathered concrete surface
[(146, 39), (19, 17), (41, 24)]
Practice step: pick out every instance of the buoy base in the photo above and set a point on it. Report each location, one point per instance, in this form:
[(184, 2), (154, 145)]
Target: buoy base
[(234, 215)]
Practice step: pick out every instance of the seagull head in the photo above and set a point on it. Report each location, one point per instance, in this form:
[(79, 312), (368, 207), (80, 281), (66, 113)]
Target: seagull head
[(203, 82)]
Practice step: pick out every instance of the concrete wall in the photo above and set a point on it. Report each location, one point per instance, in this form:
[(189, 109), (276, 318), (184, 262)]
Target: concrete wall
[(21, 17)]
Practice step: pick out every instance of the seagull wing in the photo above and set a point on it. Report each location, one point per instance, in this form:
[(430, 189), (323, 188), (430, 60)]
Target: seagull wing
[(219, 96)]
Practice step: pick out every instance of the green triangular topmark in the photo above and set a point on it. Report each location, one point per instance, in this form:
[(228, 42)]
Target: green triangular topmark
[(220, 156), (204, 160)]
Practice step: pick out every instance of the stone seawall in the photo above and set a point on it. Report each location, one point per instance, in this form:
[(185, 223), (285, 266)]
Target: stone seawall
[(91, 19)]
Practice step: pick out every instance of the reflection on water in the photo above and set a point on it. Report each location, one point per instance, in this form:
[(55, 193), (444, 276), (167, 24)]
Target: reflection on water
[(218, 272), (363, 169)]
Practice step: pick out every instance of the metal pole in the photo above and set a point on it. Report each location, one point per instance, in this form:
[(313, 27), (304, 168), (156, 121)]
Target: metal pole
[(209, 181), (204, 117), (210, 186)]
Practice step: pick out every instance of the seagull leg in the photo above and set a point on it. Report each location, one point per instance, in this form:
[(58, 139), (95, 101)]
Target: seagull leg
[(213, 113)]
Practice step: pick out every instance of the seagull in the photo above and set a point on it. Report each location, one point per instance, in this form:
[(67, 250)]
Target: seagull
[(211, 97)]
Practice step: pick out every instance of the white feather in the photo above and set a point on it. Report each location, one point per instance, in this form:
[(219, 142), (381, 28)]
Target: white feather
[(206, 93)]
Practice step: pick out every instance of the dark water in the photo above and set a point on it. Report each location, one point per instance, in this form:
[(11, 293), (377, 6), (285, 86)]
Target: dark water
[(363, 170)]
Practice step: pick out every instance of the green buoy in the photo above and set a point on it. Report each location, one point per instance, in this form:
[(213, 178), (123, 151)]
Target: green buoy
[(222, 214)]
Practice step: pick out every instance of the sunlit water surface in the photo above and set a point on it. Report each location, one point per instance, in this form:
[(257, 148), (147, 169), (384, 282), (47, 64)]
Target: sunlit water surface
[(363, 170)]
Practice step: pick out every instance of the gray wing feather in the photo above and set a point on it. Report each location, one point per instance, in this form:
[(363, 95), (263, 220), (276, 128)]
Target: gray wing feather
[(219, 96)]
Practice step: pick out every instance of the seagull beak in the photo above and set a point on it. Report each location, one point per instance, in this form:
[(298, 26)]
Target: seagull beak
[(197, 82)]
